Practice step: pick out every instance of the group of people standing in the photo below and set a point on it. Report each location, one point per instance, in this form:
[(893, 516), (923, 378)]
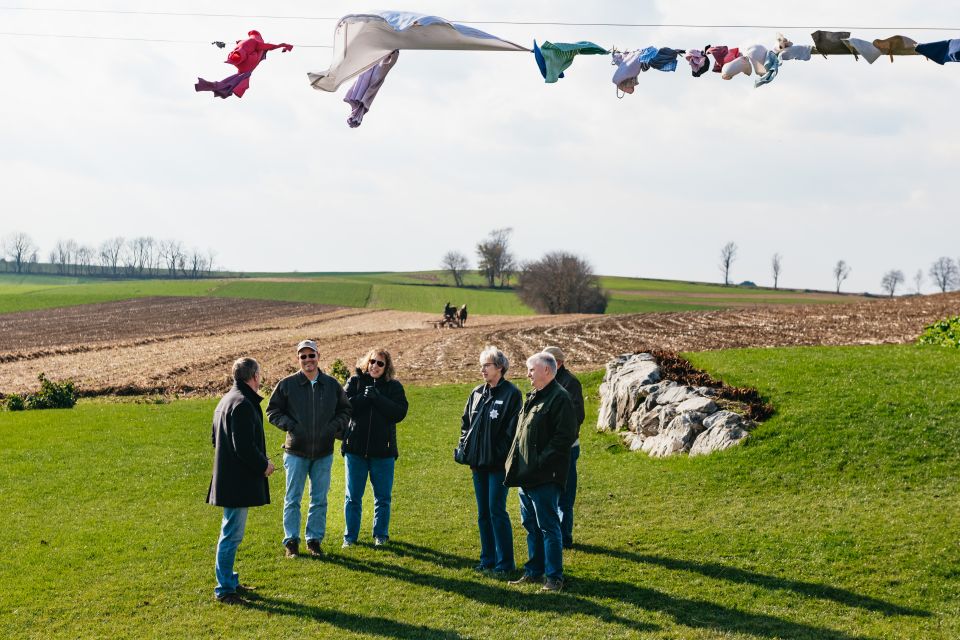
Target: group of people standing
[(507, 442)]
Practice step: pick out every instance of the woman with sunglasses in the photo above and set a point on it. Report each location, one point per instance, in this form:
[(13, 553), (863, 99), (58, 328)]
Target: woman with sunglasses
[(370, 443)]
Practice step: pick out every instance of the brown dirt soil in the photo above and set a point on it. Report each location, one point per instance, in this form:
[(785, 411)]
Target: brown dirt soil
[(193, 352)]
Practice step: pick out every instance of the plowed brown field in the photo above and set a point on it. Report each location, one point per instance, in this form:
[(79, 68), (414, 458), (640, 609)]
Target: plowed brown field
[(167, 345)]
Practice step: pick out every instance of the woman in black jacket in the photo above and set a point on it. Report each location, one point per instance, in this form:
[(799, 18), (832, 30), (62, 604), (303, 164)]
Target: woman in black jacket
[(487, 428), (370, 443)]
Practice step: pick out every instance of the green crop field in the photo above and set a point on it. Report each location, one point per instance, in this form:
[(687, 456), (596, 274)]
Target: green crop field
[(416, 291), (837, 520)]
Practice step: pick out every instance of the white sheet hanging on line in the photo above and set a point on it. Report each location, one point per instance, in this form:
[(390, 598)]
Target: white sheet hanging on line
[(363, 39)]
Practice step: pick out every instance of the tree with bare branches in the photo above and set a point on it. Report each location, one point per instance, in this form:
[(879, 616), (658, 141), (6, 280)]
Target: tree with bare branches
[(918, 281), (109, 254), (841, 272), (19, 247), (456, 264), (493, 254), (776, 264), (727, 255), (561, 282), (891, 280), (944, 273)]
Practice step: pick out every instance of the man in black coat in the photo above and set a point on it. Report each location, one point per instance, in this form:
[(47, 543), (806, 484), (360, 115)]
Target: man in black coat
[(569, 494), (240, 470)]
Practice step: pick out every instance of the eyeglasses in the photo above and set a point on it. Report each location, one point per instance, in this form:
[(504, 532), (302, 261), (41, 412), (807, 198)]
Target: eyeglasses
[(307, 356), (379, 363)]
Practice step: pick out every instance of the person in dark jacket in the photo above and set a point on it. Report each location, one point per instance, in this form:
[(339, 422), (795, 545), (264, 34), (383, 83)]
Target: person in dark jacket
[(240, 470), (370, 443), (313, 409), (538, 462), (486, 432), (569, 494)]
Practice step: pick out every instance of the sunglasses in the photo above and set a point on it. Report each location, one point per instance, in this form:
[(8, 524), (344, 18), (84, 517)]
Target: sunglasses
[(307, 356), (379, 363)]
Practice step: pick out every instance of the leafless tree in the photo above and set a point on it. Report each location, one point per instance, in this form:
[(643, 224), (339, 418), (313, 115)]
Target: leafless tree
[(19, 247), (561, 283), (83, 258), (62, 256), (110, 250), (918, 281), (456, 264), (211, 257), (891, 280), (140, 254), (727, 255), (171, 251), (507, 269), (840, 273), (944, 273), (775, 266), (493, 253)]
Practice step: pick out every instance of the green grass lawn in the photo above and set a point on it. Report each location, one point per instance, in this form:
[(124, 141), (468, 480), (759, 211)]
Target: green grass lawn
[(837, 520), (415, 291)]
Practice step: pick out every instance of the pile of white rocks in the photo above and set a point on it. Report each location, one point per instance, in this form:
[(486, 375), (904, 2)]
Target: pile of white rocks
[(663, 417)]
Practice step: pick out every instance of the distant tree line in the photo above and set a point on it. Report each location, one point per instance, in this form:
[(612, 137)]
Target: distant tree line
[(559, 282), (118, 257), (944, 273)]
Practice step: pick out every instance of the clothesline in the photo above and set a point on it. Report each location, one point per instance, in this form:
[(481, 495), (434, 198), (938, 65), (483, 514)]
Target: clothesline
[(644, 25)]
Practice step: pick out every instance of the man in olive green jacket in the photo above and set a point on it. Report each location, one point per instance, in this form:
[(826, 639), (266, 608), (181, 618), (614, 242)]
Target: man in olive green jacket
[(538, 463)]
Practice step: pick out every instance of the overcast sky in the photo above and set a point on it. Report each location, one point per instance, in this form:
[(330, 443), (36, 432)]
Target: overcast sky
[(836, 159)]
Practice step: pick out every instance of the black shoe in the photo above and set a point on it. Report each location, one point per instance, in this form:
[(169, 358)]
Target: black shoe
[(292, 548), (314, 547), (231, 598), (552, 585), (245, 589), (481, 568), (527, 579)]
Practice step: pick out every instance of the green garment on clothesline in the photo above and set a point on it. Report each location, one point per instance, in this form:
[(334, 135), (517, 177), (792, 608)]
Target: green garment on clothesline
[(560, 56)]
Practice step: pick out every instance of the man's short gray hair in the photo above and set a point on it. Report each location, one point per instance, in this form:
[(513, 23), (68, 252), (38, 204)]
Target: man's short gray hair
[(245, 369), (497, 357), (545, 359)]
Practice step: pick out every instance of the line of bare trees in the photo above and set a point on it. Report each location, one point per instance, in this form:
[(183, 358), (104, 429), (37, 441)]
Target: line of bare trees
[(559, 282), (141, 257), (944, 273)]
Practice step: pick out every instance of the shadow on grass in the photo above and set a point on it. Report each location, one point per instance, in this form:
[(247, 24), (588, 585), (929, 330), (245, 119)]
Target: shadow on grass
[(428, 555), (348, 621), (500, 595), (578, 598), (733, 574)]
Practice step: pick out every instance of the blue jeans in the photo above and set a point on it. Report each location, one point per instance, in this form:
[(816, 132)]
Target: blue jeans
[(231, 533), (567, 498), (298, 469), (357, 470), (496, 534), (541, 518)]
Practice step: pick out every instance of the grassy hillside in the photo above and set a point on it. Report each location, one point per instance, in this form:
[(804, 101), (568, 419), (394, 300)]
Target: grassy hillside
[(837, 521), (418, 291)]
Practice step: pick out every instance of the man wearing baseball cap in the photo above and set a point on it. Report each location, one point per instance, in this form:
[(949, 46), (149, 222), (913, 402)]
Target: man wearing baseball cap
[(313, 409), (569, 494)]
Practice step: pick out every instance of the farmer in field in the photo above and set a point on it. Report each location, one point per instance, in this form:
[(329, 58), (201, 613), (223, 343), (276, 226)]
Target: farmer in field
[(538, 463), (313, 409), (240, 470), (569, 494), (370, 444), (486, 432)]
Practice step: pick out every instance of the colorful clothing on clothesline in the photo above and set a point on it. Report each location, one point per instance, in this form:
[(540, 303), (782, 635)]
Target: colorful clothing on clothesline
[(364, 90)]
